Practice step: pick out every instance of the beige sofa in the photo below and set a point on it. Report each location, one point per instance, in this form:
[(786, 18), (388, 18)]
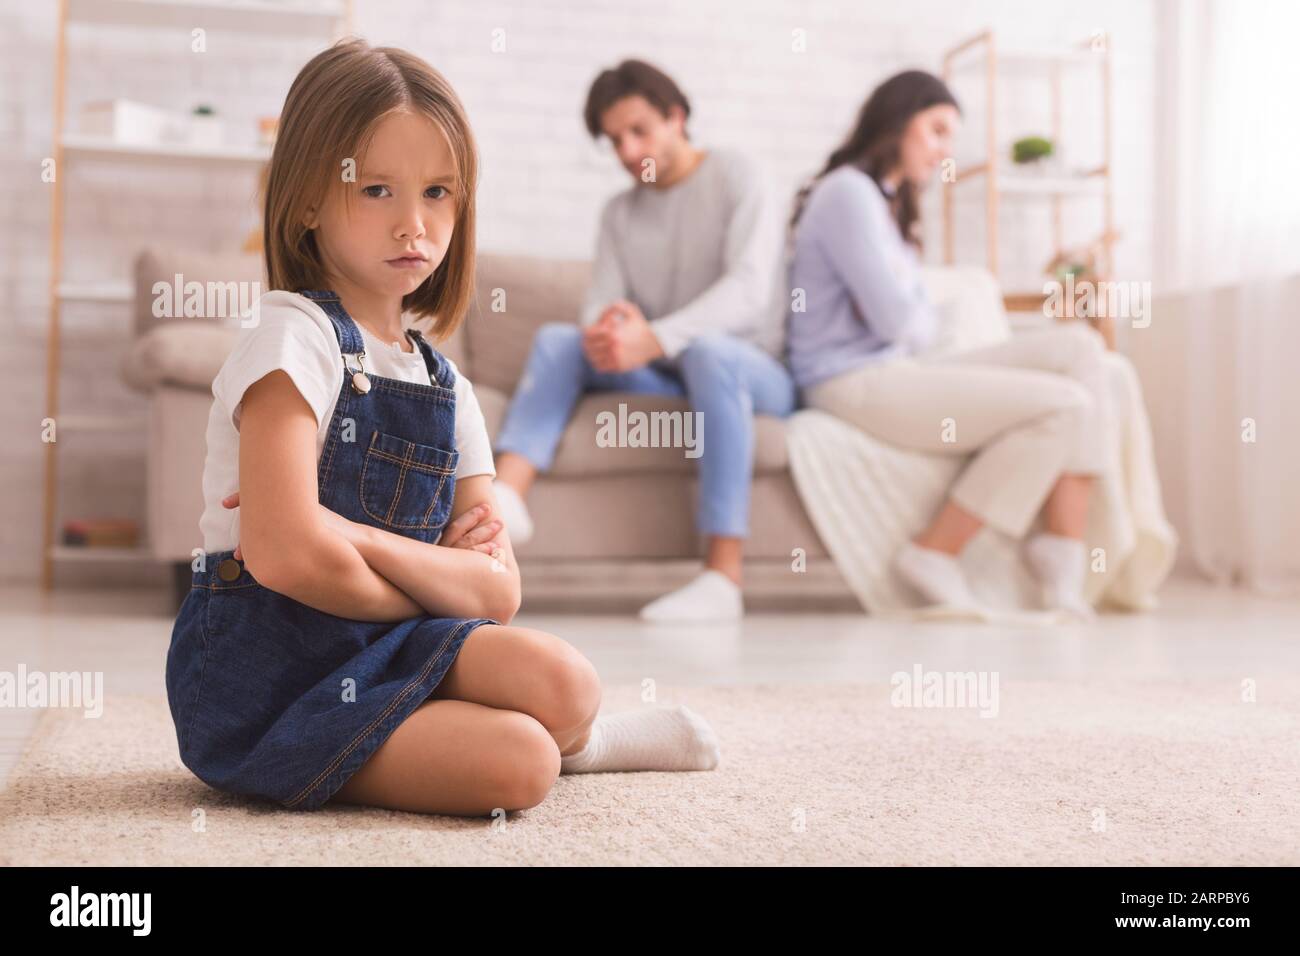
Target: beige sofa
[(614, 526)]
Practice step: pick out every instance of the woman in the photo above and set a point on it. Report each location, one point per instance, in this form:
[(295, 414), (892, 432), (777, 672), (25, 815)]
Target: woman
[(1031, 410)]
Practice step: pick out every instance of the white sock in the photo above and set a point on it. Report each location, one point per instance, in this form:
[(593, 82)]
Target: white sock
[(936, 575), (653, 738), (1060, 565), (518, 522), (711, 596)]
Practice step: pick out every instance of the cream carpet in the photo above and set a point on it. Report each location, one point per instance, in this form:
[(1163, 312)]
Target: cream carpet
[(1067, 773)]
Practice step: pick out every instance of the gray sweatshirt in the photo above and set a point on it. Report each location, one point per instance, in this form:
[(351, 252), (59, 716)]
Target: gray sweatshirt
[(703, 255)]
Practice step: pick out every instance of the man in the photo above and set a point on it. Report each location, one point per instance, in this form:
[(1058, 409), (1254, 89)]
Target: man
[(683, 302)]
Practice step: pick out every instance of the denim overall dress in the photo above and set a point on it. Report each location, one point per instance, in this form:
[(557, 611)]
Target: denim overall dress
[(275, 699)]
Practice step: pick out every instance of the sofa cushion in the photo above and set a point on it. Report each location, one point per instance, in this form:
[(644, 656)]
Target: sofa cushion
[(516, 295), (185, 354), (154, 265), (578, 455)]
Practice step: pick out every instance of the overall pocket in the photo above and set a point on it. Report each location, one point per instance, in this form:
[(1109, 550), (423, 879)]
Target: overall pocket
[(405, 484)]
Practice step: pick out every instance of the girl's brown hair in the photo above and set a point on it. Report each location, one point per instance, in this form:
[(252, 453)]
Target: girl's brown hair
[(329, 117)]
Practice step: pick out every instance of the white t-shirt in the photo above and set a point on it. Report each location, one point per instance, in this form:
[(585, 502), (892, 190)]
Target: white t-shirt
[(295, 334)]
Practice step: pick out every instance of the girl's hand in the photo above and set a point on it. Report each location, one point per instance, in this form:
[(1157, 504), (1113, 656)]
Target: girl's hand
[(472, 532), (232, 501)]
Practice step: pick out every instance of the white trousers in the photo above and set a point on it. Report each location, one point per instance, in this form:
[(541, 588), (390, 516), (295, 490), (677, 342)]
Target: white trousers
[(1028, 409)]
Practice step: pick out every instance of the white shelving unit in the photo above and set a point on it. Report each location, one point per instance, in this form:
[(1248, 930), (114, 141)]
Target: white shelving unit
[(329, 19), (982, 51)]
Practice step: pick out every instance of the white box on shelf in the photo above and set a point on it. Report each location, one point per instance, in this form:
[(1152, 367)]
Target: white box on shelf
[(126, 121), (206, 131)]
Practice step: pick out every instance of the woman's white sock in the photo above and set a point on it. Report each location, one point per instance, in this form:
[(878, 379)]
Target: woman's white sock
[(1060, 564), (936, 575), (655, 738)]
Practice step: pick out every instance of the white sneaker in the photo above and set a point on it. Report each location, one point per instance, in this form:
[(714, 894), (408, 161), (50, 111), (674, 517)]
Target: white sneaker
[(711, 596), (514, 513)]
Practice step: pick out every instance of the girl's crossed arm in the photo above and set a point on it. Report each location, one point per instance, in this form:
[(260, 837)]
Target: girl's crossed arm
[(450, 581), (284, 537), (296, 547)]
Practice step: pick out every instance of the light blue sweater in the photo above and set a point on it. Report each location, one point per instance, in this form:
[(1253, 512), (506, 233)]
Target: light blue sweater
[(864, 301)]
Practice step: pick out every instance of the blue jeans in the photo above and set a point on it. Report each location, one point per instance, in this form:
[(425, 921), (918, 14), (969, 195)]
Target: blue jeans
[(726, 379)]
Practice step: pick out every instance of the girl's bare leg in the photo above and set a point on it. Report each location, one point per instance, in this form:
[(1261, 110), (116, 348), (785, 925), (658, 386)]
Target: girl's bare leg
[(456, 757), (530, 671)]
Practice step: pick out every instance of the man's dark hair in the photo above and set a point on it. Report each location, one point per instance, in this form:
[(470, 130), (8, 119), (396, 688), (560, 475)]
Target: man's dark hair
[(631, 78)]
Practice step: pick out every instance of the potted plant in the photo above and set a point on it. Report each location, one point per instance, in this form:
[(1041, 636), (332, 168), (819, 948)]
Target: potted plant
[(205, 127), (1034, 154)]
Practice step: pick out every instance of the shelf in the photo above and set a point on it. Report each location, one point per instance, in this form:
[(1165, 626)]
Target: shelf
[(1006, 180), (244, 16), (98, 147), (104, 290), (1089, 183), (87, 422), (1051, 185), (70, 552), (1024, 301), (297, 21), (1037, 58)]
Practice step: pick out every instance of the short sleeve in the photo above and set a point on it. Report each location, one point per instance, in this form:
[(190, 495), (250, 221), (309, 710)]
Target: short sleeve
[(286, 337), (471, 431)]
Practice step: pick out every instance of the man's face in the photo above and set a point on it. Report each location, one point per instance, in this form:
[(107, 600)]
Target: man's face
[(639, 132)]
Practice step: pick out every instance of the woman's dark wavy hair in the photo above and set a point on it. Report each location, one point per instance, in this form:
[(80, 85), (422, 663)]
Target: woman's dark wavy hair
[(873, 146)]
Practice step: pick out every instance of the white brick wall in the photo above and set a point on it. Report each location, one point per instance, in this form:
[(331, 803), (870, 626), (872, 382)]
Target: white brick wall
[(543, 179)]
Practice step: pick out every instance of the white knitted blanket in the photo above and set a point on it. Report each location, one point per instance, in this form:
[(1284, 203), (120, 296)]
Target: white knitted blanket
[(865, 497)]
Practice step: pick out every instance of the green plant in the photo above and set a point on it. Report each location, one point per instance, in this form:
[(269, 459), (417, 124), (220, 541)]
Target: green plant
[(1030, 149), (1075, 269), (203, 109)]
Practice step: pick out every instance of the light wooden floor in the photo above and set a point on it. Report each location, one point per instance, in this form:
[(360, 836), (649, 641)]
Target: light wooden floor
[(1199, 632)]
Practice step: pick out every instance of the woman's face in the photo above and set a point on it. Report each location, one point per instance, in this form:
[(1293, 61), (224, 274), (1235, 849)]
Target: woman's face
[(401, 205), (927, 142)]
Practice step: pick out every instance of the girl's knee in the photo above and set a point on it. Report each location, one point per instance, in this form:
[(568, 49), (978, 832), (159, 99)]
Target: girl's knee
[(572, 694), (525, 766)]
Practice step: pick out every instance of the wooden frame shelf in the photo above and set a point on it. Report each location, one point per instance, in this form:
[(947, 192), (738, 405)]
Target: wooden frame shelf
[(243, 16), (99, 147), (288, 19), (1088, 183)]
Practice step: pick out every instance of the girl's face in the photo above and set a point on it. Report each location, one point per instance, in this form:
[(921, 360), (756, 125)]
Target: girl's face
[(388, 231), (927, 142)]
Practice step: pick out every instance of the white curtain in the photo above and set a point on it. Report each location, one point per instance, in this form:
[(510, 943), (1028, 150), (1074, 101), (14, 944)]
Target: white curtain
[(1220, 359)]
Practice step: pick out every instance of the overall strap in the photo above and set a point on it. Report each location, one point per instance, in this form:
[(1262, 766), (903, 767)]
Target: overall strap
[(439, 371), (349, 336)]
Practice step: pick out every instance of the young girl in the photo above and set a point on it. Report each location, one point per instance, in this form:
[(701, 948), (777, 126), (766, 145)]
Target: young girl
[(348, 631)]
